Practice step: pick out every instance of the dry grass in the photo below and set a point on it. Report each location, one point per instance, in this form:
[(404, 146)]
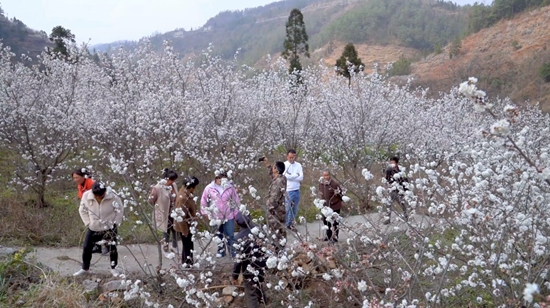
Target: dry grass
[(506, 58), (57, 225), (372, 54)]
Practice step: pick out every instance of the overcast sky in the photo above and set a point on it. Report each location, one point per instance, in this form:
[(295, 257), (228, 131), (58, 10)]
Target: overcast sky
[(105, 21)]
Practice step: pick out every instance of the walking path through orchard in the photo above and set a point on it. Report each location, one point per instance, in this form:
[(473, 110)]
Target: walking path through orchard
[(136, 258)]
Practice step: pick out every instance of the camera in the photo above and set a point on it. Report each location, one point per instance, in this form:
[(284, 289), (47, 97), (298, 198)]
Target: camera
[(261, 159)]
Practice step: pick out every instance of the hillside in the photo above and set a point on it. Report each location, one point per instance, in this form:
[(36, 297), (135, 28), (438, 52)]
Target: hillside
[(20, 38), (370, 54), (256, 32), (505, 57)]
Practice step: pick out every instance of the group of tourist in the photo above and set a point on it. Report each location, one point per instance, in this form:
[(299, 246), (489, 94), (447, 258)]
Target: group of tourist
[(175, 215)]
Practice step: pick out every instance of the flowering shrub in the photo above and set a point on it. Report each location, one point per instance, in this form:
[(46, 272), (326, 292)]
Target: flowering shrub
[(479, 170)]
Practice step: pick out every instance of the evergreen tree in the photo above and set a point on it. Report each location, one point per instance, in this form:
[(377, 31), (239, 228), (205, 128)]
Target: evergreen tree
[(296, 40), (61, 37), (349, 62)]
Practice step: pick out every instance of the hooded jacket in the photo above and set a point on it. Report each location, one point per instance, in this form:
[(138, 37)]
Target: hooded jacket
[(101, 216), (224, 206)]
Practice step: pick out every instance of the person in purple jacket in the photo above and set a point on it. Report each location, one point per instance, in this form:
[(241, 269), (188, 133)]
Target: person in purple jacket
[(220, 203)]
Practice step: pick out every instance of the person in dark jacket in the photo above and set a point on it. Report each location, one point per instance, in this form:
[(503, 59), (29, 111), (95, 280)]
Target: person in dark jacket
[(250, 262), (397, 185), (331, 191)]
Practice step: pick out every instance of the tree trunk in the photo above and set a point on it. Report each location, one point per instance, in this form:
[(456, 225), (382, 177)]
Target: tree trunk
[(41, 191), (41, 198)]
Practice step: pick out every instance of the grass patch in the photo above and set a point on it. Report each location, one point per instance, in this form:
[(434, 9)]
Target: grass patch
[(23, 283), (58, 225)]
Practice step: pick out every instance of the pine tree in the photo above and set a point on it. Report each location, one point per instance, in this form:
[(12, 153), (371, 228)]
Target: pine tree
[(61, 37), (349, 62), (296, 40)]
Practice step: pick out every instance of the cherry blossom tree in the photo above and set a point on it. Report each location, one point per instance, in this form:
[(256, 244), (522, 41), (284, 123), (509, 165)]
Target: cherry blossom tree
[(479, 169), (40, 118)]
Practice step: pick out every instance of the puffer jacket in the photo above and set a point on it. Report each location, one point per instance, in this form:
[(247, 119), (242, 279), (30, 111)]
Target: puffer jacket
[(101, 216), (222, 206)]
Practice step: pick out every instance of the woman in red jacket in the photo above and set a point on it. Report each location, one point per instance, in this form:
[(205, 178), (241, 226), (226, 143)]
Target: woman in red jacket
[(83, 179)]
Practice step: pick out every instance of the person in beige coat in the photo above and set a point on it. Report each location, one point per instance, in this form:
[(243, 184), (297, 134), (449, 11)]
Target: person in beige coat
[(163, 198), (101, 210), (184, 215)]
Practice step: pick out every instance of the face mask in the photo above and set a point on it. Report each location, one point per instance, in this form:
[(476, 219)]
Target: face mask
[(392, 165), (224, 182)]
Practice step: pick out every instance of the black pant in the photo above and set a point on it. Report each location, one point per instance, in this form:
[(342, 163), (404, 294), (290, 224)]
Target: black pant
[(397, 197), (329, 230), (92, 237), (170, 230), (254, 293), (187, 254)]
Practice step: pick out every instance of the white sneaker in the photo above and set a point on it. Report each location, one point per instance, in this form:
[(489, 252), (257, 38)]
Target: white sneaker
[(186, 266), (114, 272), (219, 255), (80, 272)]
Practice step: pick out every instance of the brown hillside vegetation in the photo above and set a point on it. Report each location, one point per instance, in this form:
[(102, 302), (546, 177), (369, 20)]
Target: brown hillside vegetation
[(506, 58), (369, 54)]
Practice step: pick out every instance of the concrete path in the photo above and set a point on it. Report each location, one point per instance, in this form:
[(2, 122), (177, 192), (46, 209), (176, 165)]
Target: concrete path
[(145, 257)]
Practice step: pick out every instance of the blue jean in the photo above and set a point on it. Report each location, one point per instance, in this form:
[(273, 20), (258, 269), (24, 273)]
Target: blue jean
[(292, 201), (227, 231)]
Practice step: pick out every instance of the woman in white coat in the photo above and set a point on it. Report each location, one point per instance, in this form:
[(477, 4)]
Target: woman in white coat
[(101, 210)]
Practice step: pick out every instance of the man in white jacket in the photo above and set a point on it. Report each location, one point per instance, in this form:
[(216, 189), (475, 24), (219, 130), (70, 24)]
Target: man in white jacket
[(101, 210), (294, 176)]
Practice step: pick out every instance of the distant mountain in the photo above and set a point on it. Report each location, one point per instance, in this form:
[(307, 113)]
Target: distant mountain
[(20, 38), (256, 32), (506, 57), (109, 47)]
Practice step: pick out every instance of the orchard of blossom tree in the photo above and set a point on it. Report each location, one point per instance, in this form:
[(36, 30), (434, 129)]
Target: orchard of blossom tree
[(478, 170)]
